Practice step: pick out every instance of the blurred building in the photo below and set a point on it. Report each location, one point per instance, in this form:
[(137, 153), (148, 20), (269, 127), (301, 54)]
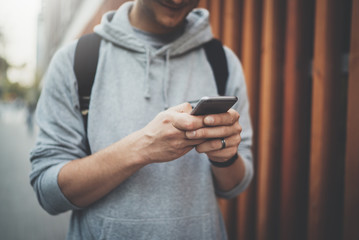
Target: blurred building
[(59, 23)]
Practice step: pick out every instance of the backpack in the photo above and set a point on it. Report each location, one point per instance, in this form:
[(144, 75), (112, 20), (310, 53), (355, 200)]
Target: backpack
[(86, 58)]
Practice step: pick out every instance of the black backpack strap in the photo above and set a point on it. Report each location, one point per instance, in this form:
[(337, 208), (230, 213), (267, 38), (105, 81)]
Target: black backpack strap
[(85, 65), (218, 61)]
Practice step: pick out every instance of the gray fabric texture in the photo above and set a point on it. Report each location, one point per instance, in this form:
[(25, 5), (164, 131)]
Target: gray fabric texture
[(134, 82)]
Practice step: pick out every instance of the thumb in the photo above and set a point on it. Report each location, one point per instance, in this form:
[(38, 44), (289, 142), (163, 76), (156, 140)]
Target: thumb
[(182, 108)]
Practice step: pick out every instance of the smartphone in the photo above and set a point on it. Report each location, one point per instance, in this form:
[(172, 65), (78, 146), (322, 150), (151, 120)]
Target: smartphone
[(212, 105)]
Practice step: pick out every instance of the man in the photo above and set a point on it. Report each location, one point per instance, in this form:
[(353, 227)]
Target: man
[(149, 175)]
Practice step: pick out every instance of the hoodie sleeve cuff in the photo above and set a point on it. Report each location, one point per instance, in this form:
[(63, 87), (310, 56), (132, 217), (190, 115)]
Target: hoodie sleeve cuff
[(50, 195), (248, 175)]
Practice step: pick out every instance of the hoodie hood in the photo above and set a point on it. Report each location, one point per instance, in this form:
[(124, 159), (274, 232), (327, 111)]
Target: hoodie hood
[(116, 27), (119, 31)]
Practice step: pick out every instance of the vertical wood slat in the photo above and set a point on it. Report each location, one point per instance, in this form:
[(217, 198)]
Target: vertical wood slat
[(351, 195), (328, 119), (296, 120), (203, 4), (227, 208), (215, 8), (270, 121), (232, 24), (251, 45)]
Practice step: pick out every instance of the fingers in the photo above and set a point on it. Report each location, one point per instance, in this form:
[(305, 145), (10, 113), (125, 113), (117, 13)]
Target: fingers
[(227, 118), (194, 143), (182, 120), (214, 132), (222, 155), (186, 122), (215, 151), (217, 126), (217, 145)]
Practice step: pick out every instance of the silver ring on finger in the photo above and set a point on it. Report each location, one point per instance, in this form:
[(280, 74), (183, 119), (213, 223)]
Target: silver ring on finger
[(223, 143)]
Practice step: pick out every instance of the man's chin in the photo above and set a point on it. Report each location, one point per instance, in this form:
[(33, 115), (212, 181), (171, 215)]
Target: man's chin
[(170, 24)]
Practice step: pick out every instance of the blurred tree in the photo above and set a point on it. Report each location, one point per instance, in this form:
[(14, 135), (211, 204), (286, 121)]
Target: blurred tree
[(4, 66), (11, 90)]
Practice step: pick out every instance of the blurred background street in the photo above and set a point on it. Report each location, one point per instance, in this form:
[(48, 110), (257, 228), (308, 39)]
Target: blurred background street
[(21, 217)]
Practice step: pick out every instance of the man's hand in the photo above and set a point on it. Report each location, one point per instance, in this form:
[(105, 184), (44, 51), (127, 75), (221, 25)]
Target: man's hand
[(165, 136), (217, 127)]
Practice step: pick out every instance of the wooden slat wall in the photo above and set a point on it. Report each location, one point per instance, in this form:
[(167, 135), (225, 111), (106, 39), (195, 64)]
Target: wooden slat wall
[(203, 4), (251, 52), (288, 99), (297, 105), (232, 19), (304, 118), (270, 119), (327, 124), (215, 8), (351, 197)]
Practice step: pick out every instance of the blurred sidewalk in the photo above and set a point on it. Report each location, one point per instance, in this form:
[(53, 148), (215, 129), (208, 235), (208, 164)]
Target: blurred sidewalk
[(21, 217)]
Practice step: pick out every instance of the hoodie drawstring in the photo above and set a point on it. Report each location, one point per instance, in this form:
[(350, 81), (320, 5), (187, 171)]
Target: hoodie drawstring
[(166, 79), (147, 76)]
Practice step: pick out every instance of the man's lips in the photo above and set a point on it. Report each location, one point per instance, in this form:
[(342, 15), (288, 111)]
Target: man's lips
[(171, 6)]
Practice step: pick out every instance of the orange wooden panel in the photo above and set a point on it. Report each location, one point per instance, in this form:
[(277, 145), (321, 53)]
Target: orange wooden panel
[(251, 52), (296, 120), (215, 9), (203, 4), (270, 121), (351, 197), (229, 215), (232, 24), (251, 45), (328, 124)]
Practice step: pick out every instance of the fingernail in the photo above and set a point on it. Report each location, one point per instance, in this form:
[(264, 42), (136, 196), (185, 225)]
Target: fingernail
[(191, 134), (209, 120)]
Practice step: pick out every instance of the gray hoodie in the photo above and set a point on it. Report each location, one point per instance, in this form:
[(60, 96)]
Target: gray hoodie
[(134, 82)]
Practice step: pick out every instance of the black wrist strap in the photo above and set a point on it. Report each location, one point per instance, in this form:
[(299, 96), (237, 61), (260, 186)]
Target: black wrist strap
[(227, 163)]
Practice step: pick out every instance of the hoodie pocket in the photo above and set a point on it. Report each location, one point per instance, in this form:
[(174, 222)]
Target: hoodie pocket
[(193, 227)]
